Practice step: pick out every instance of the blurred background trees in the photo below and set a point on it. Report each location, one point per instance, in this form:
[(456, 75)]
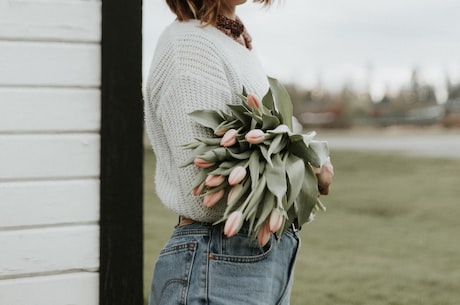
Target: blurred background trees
[(413, 104)]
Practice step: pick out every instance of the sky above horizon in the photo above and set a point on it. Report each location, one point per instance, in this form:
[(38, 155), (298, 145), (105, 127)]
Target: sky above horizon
[(330, 43)]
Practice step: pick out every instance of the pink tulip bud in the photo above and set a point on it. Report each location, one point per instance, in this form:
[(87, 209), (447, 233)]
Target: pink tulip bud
[(229, 138), (214, 180), (202, 163), (234, 193), (255, 136), (264, 234), (237, 175), (253, 101), (211, 199), (275, 221), (233, 223)]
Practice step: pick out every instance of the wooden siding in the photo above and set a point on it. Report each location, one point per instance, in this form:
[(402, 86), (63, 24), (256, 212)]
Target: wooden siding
[(51, 290), (50, 78), (27, 108), (50, 20)]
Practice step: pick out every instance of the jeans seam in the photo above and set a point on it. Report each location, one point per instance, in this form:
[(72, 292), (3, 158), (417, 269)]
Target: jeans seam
[(190, 270), (204, 232), (296, 237)]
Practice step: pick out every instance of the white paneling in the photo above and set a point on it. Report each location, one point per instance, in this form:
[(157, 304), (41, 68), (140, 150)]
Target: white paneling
[(48, 202), (65, 289), (45, 109), (49, 64), (49, 156), (25, 252), (50, 19)]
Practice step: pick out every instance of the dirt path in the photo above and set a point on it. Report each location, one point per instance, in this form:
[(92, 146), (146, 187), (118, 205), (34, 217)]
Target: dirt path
[(434, 143)]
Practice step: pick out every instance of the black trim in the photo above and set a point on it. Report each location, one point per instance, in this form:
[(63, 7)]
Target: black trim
[(121, 239)]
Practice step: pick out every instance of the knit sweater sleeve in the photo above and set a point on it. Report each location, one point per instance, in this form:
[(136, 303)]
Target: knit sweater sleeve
[(187, 75)]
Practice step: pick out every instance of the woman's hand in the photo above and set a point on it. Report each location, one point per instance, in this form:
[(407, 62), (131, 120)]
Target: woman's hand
[(324, 176)]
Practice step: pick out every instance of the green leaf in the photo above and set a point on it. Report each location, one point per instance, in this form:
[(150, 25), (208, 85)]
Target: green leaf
[(235, 153), (245, 93), (191, 145), (291, 216), (227, 117), (207, 118), (255, 197), (208, 156), (276, 145), (254, 168), (239, 112), (199, 178), (308, 196), (282, 101), (308, 137), (301, 150), (226, 125), (220, 153), (264, 152), (295, 170), (209, 141), (276, 177), (265, 209), (281, 129), (268, 101), (243, 96), (223, 171), (321, 149), (269, 121), (294, 137), (197, 151)]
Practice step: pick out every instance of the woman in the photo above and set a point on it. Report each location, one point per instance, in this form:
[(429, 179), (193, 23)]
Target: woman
[(202, 60)]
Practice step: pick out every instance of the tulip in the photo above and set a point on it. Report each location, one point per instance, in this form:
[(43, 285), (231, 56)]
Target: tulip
[(236, 175), (275, 221), (255, 136), (233, 223), (229, 138), (202, 163), (211, 199), (214, 180), (264, 234), (253, 101), (234, 193)]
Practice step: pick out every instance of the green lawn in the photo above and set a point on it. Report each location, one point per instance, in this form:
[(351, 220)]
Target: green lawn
[(389, 236)]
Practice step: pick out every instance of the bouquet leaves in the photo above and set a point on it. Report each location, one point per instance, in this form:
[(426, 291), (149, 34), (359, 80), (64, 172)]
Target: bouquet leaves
[(256, 161)]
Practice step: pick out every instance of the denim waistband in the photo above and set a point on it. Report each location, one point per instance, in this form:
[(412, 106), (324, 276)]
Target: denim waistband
[(206, 229)]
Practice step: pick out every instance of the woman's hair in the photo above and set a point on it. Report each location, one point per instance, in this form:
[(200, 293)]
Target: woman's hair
[(204, 10)]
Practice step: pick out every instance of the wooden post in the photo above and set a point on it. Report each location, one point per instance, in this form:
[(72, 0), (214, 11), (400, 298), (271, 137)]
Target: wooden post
[(121, 252)]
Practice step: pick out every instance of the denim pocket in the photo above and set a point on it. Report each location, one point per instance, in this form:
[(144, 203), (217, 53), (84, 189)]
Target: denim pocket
[(172, 274), (246, 274), (242, 249)]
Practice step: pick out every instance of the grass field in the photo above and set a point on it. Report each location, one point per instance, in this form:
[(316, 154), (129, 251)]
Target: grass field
[(389, 236)]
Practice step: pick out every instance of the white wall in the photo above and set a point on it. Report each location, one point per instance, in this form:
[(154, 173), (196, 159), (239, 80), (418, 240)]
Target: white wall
[(49, 151)]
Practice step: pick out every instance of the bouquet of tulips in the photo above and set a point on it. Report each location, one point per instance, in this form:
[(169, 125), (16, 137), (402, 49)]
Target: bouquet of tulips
[(256, 161)]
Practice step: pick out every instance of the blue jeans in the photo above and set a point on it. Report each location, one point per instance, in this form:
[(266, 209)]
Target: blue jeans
[(199, 265)]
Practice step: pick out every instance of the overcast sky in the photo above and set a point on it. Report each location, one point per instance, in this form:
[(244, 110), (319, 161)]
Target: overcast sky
[(333, 42)]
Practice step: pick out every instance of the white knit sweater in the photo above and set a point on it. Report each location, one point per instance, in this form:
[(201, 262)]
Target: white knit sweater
[(194, 67)]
